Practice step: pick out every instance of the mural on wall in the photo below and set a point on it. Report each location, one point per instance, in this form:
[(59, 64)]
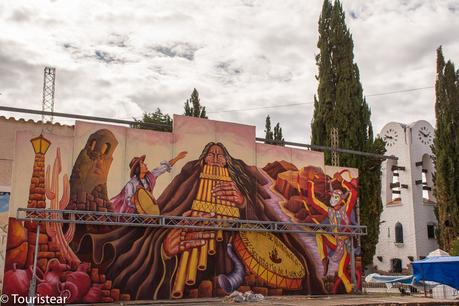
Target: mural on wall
[(200, 173), (4, 200), (4, 205)]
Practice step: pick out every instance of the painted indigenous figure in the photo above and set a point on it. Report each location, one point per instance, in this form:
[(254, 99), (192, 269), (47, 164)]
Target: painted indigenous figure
[(343, 198), (162, 263), (141, 178)]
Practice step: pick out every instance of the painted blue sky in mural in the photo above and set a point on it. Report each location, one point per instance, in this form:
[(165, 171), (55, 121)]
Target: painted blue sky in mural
[(4, 200)]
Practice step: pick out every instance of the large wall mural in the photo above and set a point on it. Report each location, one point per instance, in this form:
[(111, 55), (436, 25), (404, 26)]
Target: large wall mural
[(4, 203), (205, 169)]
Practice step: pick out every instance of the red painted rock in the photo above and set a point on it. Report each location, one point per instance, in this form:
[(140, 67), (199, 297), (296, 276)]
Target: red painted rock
[(17, 234), (94, 295), (17, 256)]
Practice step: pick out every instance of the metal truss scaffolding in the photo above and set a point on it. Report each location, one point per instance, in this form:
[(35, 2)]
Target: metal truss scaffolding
[(120, 219), (49, 82), (41, 215)]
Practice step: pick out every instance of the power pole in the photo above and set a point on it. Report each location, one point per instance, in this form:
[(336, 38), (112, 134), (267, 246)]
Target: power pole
[(49, 80), (334, 144)]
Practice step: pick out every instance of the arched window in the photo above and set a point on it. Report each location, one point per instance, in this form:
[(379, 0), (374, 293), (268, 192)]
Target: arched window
[(431, 231), (398, 233), (396, 265)]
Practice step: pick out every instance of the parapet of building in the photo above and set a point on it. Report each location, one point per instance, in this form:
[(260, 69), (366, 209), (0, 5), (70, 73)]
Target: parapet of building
[(8, 128)]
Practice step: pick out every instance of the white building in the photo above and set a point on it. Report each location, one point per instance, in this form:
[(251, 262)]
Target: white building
[(407, 223)]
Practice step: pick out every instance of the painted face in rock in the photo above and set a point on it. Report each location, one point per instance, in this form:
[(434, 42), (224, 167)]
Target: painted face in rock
[(215, 156), (93, 163)]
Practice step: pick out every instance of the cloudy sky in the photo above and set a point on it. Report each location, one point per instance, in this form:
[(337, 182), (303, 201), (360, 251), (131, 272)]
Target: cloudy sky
[(120, 58)]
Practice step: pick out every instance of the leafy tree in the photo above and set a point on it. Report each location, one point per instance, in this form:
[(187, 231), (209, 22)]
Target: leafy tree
[(193, 106), (446, 150), (155, 121), (340, 103)]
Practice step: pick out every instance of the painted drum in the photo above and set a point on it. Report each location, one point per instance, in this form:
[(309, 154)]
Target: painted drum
[(145, 203), (270, 259)]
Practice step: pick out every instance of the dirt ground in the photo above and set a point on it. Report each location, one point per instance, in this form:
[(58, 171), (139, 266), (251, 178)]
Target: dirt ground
[(364, 299)]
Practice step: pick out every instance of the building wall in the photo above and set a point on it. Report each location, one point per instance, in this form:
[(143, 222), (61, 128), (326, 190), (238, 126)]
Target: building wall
[(9, 128), (92, 168), (424, 207), (410, 210)]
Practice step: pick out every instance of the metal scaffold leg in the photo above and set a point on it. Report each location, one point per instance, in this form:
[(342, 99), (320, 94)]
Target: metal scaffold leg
[(33, 282)]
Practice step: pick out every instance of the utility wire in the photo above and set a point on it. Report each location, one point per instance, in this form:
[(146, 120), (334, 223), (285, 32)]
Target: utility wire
[(310, 103), (398, 91), (260, 107)]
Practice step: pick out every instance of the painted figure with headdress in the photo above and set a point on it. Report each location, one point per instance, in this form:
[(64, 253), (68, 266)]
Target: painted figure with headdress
[(140, 178), (342, 199)]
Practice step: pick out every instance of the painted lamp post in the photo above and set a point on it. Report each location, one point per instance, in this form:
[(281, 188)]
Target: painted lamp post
[(37, 199)]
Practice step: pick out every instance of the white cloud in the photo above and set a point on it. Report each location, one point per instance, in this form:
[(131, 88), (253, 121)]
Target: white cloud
[(117, 58)]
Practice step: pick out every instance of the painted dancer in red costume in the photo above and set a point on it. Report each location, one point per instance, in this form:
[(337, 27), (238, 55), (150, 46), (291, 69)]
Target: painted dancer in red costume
[(339, 212)]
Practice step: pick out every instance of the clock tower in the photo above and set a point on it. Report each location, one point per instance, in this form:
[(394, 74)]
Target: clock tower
[(408, 223)]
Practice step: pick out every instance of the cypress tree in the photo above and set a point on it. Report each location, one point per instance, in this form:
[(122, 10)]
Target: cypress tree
[(446, 149), (187, 107), (340, 103), (278, 138), (325, 98), (273, 137), (193, 106), (268, 131)]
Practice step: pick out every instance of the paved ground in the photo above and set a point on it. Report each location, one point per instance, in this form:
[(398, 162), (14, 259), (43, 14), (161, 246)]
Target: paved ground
[(366, 299)]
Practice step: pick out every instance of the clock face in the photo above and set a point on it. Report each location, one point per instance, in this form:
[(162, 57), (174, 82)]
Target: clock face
[(390, 137), (425, 136)]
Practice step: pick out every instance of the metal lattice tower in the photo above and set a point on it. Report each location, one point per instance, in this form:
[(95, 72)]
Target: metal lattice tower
[(49, 79), (334, 144)]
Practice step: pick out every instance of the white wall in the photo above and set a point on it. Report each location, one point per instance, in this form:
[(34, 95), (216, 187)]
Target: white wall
[(424, 209), (410, 211)]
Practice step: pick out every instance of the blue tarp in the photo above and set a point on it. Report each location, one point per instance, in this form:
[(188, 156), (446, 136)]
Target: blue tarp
[(440, 269)]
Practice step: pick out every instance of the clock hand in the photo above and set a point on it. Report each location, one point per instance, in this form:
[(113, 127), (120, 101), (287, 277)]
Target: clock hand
[(389, 137), (425, 135)]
